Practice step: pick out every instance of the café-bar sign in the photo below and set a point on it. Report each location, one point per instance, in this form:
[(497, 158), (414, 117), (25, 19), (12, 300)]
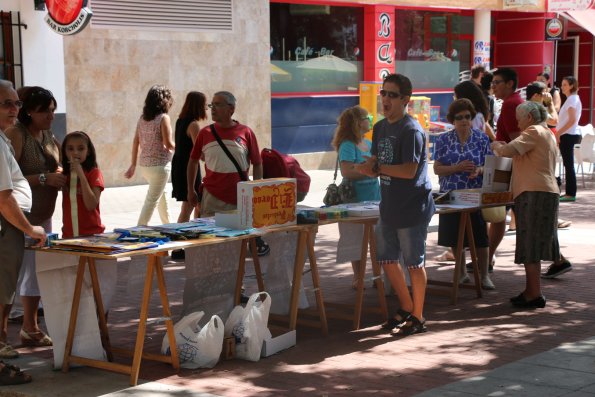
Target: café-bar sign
[(67, 17)]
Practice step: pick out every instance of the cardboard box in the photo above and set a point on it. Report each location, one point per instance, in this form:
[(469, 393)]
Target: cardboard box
[(497, 172), (229, 348), (267, 202), (281, 340), (477, 197)]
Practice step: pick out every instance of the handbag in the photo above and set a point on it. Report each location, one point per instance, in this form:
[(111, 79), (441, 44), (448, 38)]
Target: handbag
[(343, 193)]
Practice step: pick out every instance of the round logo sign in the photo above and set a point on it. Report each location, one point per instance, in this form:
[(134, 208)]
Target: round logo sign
[(554, 28), (67, 16)]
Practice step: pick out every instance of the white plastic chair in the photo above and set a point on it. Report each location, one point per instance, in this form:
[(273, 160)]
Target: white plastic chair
[(587, 147)]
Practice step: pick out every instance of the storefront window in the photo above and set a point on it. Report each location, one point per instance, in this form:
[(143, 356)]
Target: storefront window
[(429, 47), (316, 48)]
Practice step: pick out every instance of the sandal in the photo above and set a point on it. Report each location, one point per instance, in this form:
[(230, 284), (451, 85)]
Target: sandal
[(36, 339), (446, 256), (7, 351), (412, 326), (12, 375), (395, 322)]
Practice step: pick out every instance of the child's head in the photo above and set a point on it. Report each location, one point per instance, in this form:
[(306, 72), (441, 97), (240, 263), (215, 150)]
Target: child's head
[(78, 144)]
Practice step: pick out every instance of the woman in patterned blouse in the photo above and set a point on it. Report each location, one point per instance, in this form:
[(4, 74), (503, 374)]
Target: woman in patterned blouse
[(458, 162)]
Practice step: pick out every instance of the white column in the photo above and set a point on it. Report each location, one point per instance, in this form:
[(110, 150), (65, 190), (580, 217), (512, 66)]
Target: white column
[(481, 38), (43, 54)]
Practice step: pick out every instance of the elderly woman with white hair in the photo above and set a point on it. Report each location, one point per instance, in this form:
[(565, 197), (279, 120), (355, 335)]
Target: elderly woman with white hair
[(536, 198)]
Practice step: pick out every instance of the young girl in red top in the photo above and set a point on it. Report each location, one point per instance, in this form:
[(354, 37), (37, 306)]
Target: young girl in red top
[(80, 167)]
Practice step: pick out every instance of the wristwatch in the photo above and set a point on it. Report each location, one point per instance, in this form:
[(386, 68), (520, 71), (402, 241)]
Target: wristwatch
[(42, 179)]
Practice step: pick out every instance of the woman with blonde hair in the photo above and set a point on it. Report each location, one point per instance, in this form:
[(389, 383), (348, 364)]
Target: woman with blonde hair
[(352, 148)]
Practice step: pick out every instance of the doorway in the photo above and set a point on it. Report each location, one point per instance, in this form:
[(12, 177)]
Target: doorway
[(566, 59)]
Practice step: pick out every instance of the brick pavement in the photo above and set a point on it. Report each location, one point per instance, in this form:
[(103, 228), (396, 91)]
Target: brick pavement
[(463, 341)]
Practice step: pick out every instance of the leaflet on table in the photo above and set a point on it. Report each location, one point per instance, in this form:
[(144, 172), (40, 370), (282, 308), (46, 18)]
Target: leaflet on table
[(199, 228), (365, 208), (102, 243)]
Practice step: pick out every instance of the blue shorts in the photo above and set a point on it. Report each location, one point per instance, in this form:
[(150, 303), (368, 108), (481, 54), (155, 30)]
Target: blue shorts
[(407, 243)]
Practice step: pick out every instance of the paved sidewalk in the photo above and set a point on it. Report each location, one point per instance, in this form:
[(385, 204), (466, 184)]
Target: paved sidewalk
[(479, 347)]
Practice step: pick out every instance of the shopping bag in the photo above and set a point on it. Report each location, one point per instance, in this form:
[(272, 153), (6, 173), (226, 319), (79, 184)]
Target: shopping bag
[(248, 325), (209, 344), (197, 347), (184, 331)]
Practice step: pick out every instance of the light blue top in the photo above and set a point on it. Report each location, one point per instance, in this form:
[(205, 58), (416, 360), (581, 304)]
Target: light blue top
[(366, 189)]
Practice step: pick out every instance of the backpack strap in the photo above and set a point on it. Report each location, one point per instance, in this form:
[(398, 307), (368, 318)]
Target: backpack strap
[(229, 155)]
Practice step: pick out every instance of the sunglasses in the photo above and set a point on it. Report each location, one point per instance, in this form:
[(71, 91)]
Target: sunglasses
[(496, 82), (460, 117), (7, 104), (390, 94)]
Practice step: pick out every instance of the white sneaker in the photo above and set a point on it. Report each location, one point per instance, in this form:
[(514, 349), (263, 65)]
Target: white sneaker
[(486, 283)]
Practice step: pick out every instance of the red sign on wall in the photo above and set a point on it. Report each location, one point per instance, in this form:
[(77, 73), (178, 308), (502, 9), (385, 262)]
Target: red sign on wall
[(67, 17)]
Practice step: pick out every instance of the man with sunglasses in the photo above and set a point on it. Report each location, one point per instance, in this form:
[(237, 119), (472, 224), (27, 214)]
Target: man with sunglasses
[(15, 199), (399, 158)]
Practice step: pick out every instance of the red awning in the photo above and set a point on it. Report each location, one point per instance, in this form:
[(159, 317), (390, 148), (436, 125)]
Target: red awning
[(584, 18)]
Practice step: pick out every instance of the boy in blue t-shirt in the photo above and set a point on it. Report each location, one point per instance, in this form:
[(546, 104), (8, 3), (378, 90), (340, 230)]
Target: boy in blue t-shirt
[(399, 158)]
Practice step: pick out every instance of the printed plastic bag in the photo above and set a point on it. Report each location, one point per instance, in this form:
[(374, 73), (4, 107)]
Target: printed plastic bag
[(249, 326), (197, 348)]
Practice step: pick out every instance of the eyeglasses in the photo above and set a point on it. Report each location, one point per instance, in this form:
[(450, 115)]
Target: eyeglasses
[(217, 105), (7, 104), (496, 82), (460, 117), (390, 94)]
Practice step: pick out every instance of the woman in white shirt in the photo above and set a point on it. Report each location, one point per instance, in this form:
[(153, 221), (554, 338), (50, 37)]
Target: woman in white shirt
[(569, 134)]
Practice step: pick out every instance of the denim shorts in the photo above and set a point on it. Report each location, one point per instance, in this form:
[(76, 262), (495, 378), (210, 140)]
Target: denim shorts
[(407, 245)]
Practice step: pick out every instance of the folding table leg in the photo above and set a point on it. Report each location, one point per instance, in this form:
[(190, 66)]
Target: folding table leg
[(256, 261), (359, 294), (105, 341), (142, 324), (473, 252), (298, 268), (167, 311), (241, 271), (459, 262), (316, 285), (377, 272), (76, 299)]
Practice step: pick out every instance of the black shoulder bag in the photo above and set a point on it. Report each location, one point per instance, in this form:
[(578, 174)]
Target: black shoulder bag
[(242, 174)]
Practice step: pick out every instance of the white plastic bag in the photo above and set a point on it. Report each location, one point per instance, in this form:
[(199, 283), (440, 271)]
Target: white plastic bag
[(249, 326), (197, 348), (184, 330)]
